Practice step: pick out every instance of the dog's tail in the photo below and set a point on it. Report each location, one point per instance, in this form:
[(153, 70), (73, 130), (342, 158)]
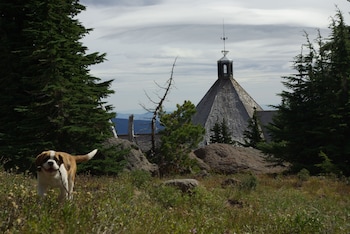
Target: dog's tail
[(86, 157)]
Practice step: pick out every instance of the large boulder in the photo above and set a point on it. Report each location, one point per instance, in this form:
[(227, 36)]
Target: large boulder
[(200, 163), (185, 185), (229, 159), (135, 159)]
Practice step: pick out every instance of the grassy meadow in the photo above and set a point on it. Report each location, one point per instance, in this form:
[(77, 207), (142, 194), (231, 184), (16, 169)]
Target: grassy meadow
[(136, 203)]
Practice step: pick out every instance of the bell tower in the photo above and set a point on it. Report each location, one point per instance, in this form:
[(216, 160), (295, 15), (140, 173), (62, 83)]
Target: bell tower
[(225, 70), (225, 100)]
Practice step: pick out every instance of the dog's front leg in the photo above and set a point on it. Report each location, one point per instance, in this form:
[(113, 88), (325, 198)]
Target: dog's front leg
[(42, 190), (70, 186), (63, 194), (64, 183)]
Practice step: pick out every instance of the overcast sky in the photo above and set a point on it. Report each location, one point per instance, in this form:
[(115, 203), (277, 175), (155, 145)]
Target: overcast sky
[(142, 38)]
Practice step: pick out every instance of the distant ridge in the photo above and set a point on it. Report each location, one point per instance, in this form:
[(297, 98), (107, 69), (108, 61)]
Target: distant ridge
[(144, 116), (142, 124)]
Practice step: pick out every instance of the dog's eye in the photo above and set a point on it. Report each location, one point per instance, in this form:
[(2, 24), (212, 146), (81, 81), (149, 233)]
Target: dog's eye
[(57, 160), (46, 159)]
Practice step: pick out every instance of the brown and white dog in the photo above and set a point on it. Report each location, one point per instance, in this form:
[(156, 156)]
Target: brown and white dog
[(58, 170)]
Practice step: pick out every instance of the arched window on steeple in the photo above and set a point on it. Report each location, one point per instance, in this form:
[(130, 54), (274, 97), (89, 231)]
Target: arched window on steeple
[(225, 68)]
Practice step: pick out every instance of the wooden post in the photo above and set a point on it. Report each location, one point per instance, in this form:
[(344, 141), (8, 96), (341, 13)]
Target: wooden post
[(131, 128)]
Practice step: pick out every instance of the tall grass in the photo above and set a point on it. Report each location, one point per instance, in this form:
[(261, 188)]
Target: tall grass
[(136, 203)]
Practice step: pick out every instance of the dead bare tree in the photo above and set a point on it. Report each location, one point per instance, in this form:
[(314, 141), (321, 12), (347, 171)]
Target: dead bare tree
[(159, 105)]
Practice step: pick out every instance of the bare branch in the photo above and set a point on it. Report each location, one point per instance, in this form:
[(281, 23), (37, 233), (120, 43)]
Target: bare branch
[(160, 104), (146, 108)]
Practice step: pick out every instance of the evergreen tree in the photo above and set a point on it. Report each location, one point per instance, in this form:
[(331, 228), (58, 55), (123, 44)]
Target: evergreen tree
[(48, 99), (216, 136), (253, 134), (220, 133), (226, 135), (178, 138), (313, 118)]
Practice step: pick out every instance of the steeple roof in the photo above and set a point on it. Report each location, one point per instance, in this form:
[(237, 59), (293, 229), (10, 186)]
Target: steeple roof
[(224, 59), (226, 100)]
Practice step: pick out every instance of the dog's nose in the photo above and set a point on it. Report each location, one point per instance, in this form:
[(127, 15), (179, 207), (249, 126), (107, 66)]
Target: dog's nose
[(50, 163)]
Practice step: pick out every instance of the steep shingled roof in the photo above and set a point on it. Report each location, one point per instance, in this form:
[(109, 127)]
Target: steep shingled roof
[(226, 99), (266, 117)]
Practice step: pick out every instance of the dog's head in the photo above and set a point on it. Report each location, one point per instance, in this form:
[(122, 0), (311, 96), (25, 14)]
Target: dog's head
[(48, 161)]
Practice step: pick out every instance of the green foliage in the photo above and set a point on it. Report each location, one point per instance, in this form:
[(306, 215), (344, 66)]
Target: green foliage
[(119, 205), (253, 134), (274, 151), (326, 165), (48, 99), (220, 133), (178, 138), (141, 178), (248, 182), (108, 161), (303, 175), (167, 196), (314, 114), (216, 137)]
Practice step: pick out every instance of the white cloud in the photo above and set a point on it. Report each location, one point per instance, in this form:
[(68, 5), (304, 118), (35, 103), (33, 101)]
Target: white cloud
[(142, 40)]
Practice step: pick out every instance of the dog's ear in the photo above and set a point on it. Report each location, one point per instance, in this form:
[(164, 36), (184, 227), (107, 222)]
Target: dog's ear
[(40, 159), (60, 159), (65, 161)]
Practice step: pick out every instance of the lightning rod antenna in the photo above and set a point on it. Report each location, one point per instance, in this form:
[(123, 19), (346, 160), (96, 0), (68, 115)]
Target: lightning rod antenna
[(224, 38)]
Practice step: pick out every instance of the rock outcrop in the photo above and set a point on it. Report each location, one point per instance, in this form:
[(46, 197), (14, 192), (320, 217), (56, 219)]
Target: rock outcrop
[(229, 159), (136, 160)]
